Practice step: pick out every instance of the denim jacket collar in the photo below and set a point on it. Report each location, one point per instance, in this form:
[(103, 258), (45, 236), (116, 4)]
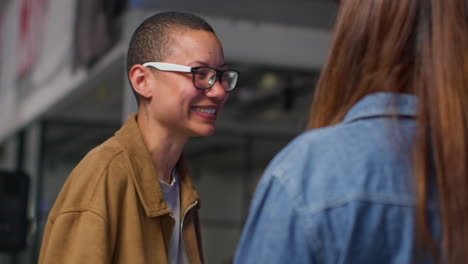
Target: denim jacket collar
[(383, 104)]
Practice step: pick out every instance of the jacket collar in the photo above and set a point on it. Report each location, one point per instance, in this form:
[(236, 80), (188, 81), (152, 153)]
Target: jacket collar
[(144, 175), (383, 104)]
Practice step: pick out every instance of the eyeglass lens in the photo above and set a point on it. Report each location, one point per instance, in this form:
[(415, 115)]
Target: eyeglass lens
[(205, 78)]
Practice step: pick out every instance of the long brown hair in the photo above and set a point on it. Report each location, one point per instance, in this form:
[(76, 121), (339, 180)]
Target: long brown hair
[(418, 47)]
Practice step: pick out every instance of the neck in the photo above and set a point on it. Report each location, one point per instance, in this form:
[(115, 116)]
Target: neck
[(165, 147)]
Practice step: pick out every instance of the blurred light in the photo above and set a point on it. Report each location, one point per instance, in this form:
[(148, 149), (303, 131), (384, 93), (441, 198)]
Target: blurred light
[(269, 81)]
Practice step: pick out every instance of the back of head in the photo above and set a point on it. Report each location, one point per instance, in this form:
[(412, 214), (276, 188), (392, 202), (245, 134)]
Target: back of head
[(418, 47), (152, 39), (374, 49)]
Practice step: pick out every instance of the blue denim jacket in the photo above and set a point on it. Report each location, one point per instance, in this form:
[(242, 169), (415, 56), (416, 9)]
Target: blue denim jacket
[(340, 194)]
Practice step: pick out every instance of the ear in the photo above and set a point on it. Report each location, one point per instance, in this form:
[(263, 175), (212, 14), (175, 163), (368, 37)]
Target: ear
[(140, 78)]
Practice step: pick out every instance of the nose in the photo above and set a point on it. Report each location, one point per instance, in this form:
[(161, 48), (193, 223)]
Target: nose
[(217, 91)]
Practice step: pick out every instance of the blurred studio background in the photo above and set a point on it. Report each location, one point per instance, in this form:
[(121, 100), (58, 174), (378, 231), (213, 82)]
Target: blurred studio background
[(63, 91)]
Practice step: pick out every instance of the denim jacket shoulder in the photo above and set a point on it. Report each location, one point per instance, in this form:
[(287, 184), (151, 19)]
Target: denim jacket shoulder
[(339, 194), (365, 157)]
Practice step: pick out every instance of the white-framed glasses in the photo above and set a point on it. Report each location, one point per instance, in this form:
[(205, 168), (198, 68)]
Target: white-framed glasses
[(203, 77)]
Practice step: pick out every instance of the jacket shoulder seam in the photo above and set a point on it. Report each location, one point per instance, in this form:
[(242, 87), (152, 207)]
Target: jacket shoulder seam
[(77, 210)]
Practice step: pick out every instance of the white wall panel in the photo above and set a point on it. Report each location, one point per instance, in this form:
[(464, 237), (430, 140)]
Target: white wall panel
[(56, 48), (272, 44)]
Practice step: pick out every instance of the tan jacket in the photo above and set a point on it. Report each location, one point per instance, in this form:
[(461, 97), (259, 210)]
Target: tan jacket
[(111, 208)]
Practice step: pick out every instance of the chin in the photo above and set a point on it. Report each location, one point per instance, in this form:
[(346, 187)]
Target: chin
[(204, 132)]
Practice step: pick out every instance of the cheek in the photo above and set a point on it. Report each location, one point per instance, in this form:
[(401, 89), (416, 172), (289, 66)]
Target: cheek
[(195, 93), (190, 96)]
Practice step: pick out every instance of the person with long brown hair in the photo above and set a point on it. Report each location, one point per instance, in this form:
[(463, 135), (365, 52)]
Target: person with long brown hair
[(381, 174)]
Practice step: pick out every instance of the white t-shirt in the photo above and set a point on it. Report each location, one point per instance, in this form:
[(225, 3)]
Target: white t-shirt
[(172, 198)]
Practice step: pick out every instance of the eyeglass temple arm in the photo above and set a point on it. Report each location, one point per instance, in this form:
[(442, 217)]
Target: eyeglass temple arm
[(162, 66)]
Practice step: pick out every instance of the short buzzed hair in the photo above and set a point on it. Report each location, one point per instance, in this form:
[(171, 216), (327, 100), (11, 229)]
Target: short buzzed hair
[(151, 40)]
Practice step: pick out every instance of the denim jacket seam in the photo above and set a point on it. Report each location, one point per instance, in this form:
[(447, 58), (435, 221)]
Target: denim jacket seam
[(377, 198), (336, 203), (313, 243), (296, 198)]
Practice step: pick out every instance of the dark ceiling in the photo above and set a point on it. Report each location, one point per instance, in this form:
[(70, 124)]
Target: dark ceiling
[(305, 13)]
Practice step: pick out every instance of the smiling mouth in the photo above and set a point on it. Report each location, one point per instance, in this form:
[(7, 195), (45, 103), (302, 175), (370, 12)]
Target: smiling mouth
[(210, 111)]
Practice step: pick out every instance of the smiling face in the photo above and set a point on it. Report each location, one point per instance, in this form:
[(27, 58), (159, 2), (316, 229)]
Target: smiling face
[(175, 104)]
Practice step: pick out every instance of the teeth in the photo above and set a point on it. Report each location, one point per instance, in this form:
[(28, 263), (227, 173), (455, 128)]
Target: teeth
[(210, 111)]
